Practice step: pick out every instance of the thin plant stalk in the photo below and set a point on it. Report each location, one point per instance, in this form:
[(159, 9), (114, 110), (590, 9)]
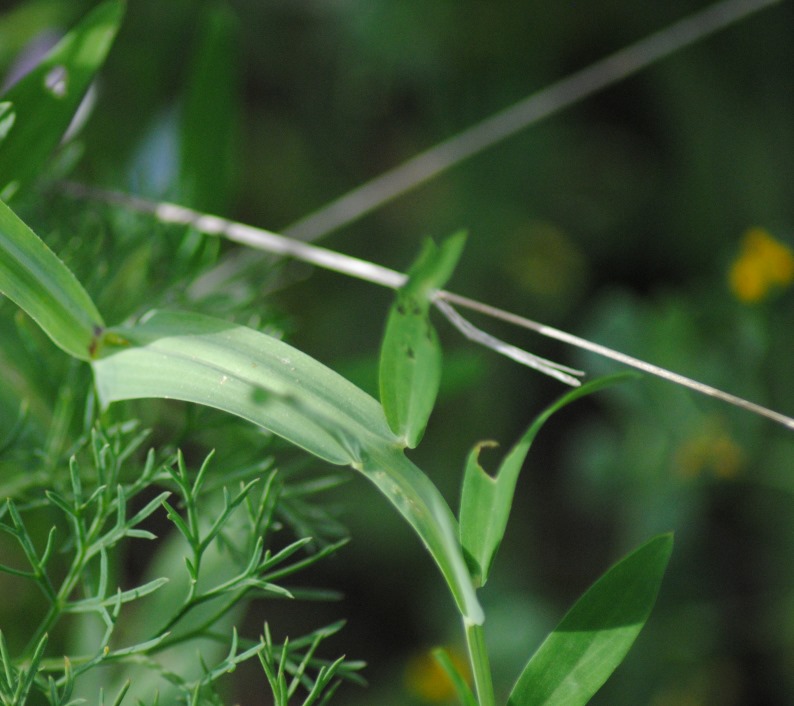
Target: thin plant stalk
[(325, 258), (548, 101), (597, 348), (480, 664)]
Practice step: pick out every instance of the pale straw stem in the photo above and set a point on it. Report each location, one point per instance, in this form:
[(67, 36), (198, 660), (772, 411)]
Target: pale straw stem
[(572, 89), (650, 368), (370, 272)]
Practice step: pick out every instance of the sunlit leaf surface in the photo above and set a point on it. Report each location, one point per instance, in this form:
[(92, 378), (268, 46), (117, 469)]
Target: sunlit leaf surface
[(594, 637)]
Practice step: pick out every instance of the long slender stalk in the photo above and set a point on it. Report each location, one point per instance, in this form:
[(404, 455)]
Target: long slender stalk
[(480, 664), (548, 101), (650, 368), (434, 161), (377, 274)]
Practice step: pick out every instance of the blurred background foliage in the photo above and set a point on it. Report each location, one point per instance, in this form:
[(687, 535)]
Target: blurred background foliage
[(656, 217)]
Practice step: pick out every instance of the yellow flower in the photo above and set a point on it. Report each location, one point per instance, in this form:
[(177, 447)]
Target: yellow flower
[(762, 264), (709, 448)]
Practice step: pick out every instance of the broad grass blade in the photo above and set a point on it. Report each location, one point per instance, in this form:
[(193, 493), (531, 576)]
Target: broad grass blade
[(594, 637), (32, 276), (255, 376), (211, 362), (486, 501), (410, 363), (47, 98)]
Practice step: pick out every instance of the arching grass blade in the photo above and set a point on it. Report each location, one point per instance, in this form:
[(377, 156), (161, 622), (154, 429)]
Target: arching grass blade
[(594, 637)]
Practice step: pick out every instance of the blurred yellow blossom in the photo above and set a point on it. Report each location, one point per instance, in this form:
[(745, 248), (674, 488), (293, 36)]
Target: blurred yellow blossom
[(709, 448), (762, 264), (545, 261), (425, 677)]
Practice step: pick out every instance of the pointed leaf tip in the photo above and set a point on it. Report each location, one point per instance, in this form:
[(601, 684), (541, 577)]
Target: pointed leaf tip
[(410, 363), (593, 638), (35, 278), (486, 501)]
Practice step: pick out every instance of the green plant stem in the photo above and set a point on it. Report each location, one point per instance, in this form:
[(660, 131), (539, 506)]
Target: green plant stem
[(480, 665), (58, 602)]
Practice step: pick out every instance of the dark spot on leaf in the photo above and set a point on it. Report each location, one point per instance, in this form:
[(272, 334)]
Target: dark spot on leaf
[(94, 345), (401, 309), (410, 353)]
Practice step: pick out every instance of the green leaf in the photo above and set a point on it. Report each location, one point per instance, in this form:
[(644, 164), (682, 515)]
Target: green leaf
[(210, 117), (24, 685), (410, 362), (257, 377), (23, 22), (7, 118), (122, 693), (419, 501), (486, 501), (457, 680), (32, 276), (594, 637), (94, 604), (47, 98)]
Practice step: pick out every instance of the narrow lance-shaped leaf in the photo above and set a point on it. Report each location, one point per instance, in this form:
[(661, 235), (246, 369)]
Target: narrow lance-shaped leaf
[(46, 100), (594, 637), (211, 362), (410, 363), (458, 681), (486, 501), (32, 276)]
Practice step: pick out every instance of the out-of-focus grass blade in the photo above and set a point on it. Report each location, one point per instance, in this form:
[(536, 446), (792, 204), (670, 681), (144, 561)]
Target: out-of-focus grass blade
[(20, 24), (457, 680), (210, 112), (32, 276), (211, 362), (7, 118), (594, 637), (46, 99), (410, 362), (486, 501)]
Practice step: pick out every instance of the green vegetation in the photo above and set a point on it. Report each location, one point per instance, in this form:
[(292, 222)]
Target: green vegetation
[(173, 459)]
